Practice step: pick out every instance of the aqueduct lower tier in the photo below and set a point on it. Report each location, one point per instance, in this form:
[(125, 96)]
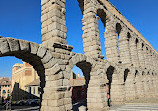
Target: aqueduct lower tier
[(130, 69)]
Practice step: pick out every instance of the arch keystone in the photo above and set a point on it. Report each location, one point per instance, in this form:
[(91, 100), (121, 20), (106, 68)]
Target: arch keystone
[(24, 45)]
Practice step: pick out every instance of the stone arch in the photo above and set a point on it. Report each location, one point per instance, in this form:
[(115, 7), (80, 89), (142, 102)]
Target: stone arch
[(118, 28), (109, 73), (39, 57), (101, 13), (136, 73), (112, 70), (136, 42), (147, 49), (29, 52), (128, 36), (81, 5), (101, 27), (79, 60), (142, 46), (126, 72), (87, 65), (127, 80), (114, 80)]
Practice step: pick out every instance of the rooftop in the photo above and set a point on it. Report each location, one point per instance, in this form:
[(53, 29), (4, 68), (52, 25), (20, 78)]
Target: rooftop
[(5, 81), (34, 83)]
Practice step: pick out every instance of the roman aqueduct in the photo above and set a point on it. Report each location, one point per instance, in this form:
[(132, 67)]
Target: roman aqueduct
[(130, 67)]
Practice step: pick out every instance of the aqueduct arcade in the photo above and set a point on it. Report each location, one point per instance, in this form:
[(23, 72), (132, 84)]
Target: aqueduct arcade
[(130, 69)]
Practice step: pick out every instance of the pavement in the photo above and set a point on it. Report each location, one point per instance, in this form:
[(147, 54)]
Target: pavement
[(76, 106), (22, 108), (143, 104), (136, 107)]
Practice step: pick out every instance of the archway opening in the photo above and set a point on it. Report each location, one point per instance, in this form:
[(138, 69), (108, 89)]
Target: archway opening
[(118, 30), (143, 73), (79, 84), (136, 41), (128, 36), (148, 73), (109, 74), (101, 26), (27, 79), (136, 73), (142, 46), (74, 24), (126, 74)]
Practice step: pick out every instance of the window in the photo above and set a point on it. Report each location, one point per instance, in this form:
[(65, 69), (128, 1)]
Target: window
[(29, 91), (33, 90), (4, 91), (38, 90), (18, 67), (8, 91)]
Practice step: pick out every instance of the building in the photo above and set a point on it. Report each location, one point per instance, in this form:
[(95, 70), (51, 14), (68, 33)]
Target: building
[(33, 90), (78, 88), (5, 88), (22, 74)]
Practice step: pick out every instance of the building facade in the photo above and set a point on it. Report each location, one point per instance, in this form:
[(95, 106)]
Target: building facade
[(78, 88), (33, 90), (5, 88), (22, 74)]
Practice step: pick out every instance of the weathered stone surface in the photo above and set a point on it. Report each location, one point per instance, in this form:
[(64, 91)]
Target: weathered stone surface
[(24, 45), (54, 70), (41, 52), (34, 47), (4, 46), (50, 64), (13, 44), (47, 57), (129, 72)]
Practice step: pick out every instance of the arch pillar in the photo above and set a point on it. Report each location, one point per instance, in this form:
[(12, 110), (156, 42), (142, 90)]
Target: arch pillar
[(151, 59), (96, 93), (116, 86), (141, 54), (134, 53), (130, 93), (53, 22), (154, 61), (146, 57), (111, 41), (91, 39), (139, 85), (125, 56), (154, 85), (146, 86), (151, 84)]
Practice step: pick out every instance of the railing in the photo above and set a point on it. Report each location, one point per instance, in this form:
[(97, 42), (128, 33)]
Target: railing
[(7, 106)]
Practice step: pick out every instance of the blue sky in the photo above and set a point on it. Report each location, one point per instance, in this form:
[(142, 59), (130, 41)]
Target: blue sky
[(21, 19)]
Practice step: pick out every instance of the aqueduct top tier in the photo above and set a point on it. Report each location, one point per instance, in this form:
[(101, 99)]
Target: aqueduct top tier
[(124, 44)]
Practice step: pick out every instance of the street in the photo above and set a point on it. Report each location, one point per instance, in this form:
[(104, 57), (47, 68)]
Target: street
[(22, 108)]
